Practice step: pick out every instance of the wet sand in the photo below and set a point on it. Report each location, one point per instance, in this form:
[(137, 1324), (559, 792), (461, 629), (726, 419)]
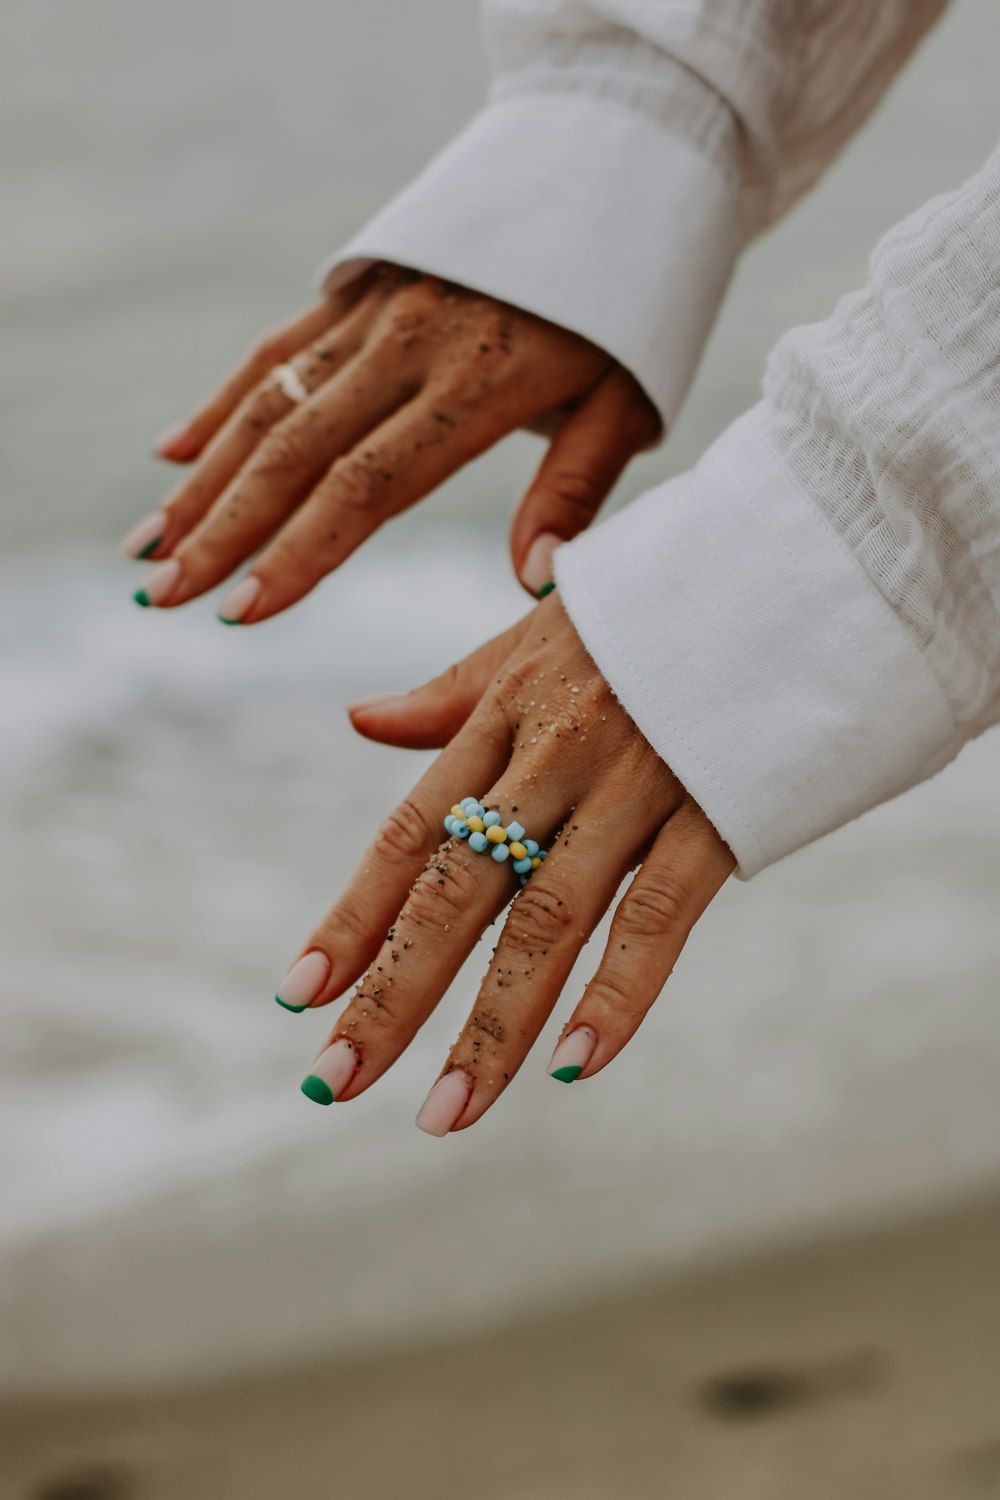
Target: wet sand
[(865, 1368)]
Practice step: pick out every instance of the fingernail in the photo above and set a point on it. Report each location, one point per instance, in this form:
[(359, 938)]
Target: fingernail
[(332, 1072), (159, 585), (537, 570), (304, 981), (239, 601), (170, 437), (573, 1054), (445, 1102), (375, 701), (146, 536)]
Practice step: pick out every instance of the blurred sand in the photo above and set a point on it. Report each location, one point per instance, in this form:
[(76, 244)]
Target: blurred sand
[(860, 1369)]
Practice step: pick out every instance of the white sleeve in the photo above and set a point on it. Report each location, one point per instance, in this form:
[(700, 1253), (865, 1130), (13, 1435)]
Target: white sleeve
[(809, 622), (628, 152)]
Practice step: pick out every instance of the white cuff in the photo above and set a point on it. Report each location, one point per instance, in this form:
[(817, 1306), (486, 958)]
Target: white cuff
[(583, 212), (754, 653)]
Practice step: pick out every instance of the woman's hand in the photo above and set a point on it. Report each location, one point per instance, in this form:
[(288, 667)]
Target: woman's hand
[(360, 407), (549, 746)]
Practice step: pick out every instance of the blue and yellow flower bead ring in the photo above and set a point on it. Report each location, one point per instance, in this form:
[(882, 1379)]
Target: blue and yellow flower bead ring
[(469, 819)]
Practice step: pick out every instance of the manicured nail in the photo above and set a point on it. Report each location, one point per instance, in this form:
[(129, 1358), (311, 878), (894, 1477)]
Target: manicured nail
[(445, 1102), (159, 585), (332, 1072), (573, 1054), (239, 601), (145, 537), (304, 981), (375, 701), (546, 589), (170, 437), (537, 570)]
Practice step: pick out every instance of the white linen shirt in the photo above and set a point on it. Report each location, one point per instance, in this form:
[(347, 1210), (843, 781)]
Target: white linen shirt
[(808, 622)]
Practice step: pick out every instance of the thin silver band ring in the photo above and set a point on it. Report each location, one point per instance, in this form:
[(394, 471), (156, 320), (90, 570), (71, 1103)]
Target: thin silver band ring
[(289, 382)]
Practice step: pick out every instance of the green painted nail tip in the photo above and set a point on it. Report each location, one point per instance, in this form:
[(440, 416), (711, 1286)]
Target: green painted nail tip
[(567, 1074), (546, 588), (223, 621), (317, 1090), (142, 598), (149, 548), (295, 1009)]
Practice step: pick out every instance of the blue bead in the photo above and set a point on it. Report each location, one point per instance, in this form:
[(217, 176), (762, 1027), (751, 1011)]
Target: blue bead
[(460, 828), (543, 854), (524, 880), (531, 847), (491, 819), (467, 804), (522, 866), (500, 852), (475, 809), (449, 820), (479, 842), (515, 832)]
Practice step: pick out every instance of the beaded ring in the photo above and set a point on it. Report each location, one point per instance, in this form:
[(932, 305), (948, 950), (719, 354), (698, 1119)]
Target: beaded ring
[(469, 819)]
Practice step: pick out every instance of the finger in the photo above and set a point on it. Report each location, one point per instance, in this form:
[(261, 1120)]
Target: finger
[(405, 458), (183, 441), (579, 470), (458, 894), (351, 933), (685, 868), (429, 716), (267, 405), (282, 470), (548, 925)]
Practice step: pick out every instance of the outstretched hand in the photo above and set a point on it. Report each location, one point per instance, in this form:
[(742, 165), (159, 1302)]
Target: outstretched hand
[(530, 726), (360, 407)]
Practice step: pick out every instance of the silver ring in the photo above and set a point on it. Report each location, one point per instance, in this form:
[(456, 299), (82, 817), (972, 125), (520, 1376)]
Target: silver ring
[(289, 382)]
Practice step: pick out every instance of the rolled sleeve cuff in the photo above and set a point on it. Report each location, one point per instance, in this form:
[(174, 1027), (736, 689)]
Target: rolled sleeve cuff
[(581, 211), (753, 651)]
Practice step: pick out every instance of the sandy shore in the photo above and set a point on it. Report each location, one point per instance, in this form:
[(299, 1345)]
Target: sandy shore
[(868, 1367)]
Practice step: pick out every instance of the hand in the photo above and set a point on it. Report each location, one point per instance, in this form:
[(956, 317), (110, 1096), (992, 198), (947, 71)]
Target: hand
[(550, 746), (407, 379)]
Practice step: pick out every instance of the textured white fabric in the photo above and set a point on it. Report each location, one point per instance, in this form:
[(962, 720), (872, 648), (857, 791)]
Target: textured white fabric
[(630, 150), (809, 623)]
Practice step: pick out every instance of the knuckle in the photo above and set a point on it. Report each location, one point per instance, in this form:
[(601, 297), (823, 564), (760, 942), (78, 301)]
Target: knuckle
[(405, 836), (540, 918), (288, 446), (654, 908), (608, 992), (347, 921), (577, 492), (373, 1003), (443, 893), (355, 482)]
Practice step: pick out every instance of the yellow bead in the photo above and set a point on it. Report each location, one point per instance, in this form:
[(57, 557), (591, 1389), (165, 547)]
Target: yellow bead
[(518, 851), (457, 812), (476, 825), (496, 834), (535, 862)]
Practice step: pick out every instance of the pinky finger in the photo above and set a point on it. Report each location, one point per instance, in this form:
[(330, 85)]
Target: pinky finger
[(685, 868)]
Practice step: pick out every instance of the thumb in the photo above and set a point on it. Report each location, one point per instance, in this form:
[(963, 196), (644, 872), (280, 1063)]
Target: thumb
[(579, 470), (429, 716)]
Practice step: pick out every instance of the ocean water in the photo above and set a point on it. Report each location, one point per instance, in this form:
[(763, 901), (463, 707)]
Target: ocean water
[(180, 802)]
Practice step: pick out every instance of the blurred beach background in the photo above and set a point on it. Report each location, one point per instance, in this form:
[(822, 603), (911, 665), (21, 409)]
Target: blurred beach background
[(759, 1256)]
